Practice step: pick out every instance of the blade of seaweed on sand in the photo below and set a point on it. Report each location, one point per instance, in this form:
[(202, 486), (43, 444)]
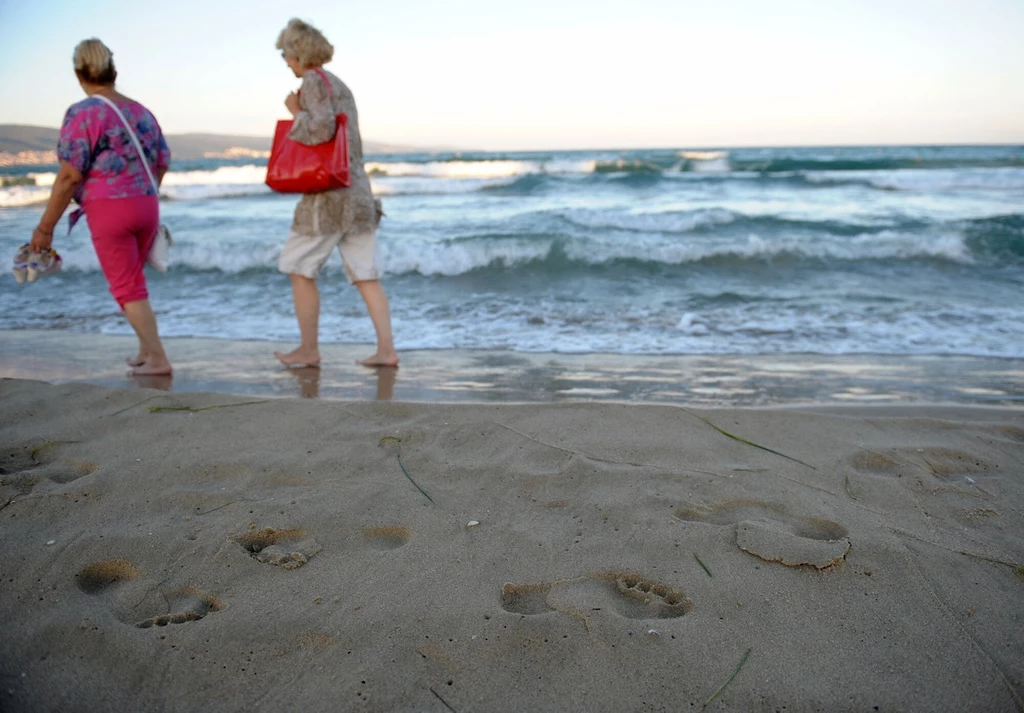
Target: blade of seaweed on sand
[(701, 563), (729, 680), (402, 466), (129, 408), (849, 488), (36, 451), (438, 695), (189, 409), (749, 443)]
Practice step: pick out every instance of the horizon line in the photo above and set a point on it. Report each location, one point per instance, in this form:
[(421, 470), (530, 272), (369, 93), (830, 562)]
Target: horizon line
[(451, 149)]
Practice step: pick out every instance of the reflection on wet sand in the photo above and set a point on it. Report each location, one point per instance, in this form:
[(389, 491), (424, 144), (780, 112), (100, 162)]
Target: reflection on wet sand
[(386, 376), (162, 382), (309, 380), (237, 367)]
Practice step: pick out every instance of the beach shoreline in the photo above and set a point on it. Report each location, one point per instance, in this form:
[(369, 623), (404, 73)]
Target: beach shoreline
[(504, 376)]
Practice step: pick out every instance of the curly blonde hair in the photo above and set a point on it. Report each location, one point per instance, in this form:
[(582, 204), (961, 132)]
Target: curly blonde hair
[(94, 62), (305, 43)]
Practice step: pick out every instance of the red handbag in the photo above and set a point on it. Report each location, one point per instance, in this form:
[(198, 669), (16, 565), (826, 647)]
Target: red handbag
[(298, 168)]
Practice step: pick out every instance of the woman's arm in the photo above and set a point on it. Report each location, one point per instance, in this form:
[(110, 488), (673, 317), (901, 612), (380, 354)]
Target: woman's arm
[(314, 122), (68, 178)]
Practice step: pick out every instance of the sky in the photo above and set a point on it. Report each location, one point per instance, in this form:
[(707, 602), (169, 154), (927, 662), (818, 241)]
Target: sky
[(552, 74)]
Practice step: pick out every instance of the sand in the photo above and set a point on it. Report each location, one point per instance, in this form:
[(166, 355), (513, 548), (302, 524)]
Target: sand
[(212, 552)]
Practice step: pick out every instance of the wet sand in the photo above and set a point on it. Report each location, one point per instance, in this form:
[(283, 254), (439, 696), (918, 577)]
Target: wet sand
[(187, 551), (248, 367)]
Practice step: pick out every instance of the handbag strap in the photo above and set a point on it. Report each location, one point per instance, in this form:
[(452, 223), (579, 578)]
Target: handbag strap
[(330, 92), (135, 141)]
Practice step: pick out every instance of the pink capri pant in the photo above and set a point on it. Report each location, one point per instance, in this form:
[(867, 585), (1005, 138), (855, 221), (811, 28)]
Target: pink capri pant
[(123, 230)]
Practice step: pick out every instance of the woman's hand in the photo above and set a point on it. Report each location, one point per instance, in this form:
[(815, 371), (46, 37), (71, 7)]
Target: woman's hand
[(292, 103), (41, 239)]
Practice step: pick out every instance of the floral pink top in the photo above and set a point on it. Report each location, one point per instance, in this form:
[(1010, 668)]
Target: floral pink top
[(94, 140)]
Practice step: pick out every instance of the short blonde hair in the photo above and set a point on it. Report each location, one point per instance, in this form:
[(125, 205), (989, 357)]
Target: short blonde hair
[(94, 62), (305, 43)]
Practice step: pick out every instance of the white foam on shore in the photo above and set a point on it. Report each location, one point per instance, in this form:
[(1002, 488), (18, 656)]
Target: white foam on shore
[(225, 175), (707, 161), (43, 179), (650, 222), (478, 169), (18, 196), (454, 169), (459, 256)]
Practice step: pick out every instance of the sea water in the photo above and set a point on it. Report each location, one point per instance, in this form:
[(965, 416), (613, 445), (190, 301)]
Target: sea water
[(895, 251)]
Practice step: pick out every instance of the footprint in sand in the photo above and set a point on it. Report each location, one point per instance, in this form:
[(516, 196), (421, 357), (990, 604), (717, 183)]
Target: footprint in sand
[(773, 534), (387, 538), (945, 464), (24, 466), (949, 464), (186, 604), (289, 549), (139, 601), (624, 593), (1014, 434), (883, 465)]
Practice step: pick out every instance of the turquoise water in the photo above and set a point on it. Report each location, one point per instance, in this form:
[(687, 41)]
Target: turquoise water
[(907, 250)]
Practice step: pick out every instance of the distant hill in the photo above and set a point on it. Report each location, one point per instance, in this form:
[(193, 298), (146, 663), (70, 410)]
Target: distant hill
[(17, 138)]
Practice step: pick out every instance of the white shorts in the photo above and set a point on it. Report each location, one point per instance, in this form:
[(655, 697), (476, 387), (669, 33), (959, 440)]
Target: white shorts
[(306, 255)]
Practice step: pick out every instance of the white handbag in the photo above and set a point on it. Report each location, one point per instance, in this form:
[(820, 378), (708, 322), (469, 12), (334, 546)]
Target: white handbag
[(160, 254), (159, 257)]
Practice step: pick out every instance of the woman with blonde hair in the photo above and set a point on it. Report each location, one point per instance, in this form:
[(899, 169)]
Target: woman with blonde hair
[(116, 187), (345, 217)]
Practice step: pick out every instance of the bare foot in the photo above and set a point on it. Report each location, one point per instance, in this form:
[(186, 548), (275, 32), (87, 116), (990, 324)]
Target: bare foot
[(299, 357), (381, 359), (137, 360), (152, 368)]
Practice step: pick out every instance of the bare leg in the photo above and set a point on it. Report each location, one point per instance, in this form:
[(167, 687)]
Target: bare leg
[(306, 296), (380, 314), (140, 316)]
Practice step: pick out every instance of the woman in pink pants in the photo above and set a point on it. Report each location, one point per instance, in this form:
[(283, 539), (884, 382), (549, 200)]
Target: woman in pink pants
[(102, 170)]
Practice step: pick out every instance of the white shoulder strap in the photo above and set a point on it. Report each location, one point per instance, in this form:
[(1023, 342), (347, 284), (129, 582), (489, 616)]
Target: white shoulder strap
[(135, 140)]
